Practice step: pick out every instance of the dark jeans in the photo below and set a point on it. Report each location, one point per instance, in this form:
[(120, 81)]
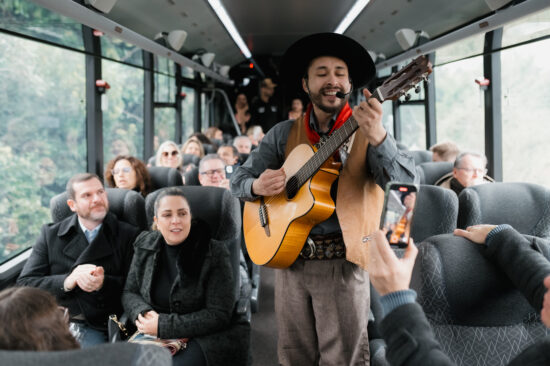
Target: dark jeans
[(191, 356)]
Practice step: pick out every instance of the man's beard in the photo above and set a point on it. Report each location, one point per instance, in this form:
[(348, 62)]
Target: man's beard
[(317, 98)]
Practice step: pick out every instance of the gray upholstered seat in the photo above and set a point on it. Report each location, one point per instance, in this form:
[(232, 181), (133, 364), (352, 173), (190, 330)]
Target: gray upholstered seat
[(192, 177), (420, 156), (164, 177), (121, 353), (476, 313), (191, 159), (127, 205), (431, 172), (217, 207), (435, 213), (525, 206)]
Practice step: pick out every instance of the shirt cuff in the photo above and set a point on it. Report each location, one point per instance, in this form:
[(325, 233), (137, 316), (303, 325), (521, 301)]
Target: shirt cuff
[(494, 232), (394, 300)]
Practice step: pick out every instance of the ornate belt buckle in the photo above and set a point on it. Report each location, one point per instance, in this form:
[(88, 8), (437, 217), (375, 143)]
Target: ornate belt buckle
[(312, 248)]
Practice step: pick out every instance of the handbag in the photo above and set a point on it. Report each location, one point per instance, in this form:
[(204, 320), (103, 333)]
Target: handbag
[(172, 345), (116, 329)]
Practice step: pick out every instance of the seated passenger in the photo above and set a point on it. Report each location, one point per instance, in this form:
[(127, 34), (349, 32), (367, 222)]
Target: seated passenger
[(129, 173), (516, 255), (243, 144), (468, 170), (229, 154), (181, 285), (255, 134), (32, 321), (296, 109), (444, 151), (168, 155), (215, 135), (212, 172), (83, 260), (193, 146)]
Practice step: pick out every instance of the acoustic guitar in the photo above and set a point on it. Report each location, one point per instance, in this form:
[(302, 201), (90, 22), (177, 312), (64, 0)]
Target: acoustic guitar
[(276, 227)]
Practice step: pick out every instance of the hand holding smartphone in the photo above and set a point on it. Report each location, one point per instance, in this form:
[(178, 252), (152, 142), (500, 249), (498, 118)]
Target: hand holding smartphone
[(397, 215)]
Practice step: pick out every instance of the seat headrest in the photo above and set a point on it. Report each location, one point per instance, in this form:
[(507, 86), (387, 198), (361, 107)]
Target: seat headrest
[(525, 206), (191, 159), (420, 156), (127, 205), (457, 285), (215, 206), (434, 170), (435, 213), (164, 177), (192, 177)]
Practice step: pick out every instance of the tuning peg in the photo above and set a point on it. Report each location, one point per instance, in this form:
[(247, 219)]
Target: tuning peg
[(417, 89), (407, 97)]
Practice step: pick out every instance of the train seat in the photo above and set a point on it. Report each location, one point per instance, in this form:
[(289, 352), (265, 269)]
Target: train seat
[(430, 172), (164, 177), (435, 213), (476, 313), (420, 156), (525, 206), (191, 177), (190, 159), (217, 207), (127, 205), (122, 353)]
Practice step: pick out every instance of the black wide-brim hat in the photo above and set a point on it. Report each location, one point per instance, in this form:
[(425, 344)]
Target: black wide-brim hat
[(300, 54)]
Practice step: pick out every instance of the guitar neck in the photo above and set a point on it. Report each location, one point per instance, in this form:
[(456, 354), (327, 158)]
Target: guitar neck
[(330, 146)]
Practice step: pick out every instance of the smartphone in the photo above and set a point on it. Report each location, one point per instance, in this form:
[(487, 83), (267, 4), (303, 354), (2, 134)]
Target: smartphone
[(229, 169), (397, 215)]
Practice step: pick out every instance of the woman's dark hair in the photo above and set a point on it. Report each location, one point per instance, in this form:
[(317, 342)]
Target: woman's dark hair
[(143, 179), (170, 191), (31, 320)]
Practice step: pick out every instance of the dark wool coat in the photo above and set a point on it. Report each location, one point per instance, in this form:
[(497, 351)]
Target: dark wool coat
[(62, 246), (202, 297)]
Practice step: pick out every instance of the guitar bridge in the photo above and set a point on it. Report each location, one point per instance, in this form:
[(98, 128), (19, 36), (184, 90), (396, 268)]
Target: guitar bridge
[(263, 217)]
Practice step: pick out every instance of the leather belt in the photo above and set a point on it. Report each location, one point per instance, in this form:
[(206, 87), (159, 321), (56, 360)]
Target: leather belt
[(330, 246)]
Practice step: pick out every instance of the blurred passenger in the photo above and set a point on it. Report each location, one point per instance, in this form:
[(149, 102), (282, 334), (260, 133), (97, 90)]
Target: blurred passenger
[(193, 146), (243, 144), (255, 134), (296, 109), (128, 172), (32, 321), (83, 260), (265, 111), (519, 257), (229, 154), (242, 112), (468, 170), (168, 155), (212, 172), (214, 133), (444, 151), (181, 285), (201, 137)]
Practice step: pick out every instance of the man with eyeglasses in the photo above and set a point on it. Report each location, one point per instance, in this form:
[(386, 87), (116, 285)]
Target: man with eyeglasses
[(468, 170), (212, 172), (83, 260)]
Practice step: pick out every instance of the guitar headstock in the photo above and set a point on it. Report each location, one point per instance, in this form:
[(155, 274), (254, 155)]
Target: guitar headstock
[(399, 83)]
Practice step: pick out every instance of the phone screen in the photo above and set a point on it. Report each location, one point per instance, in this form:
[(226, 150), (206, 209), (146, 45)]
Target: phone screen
[(398, 213)]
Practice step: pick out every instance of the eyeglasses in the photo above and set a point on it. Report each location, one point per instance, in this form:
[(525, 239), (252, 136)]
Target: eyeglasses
[(472, 170), (117, 171), (65, 312), (212, 172), (173, 153)]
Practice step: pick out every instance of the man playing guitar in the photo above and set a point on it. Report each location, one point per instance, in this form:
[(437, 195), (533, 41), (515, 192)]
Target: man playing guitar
[(322, 299)]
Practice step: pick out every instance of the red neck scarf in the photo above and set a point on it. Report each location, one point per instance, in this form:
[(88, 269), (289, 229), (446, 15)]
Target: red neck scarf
[(342, 117)]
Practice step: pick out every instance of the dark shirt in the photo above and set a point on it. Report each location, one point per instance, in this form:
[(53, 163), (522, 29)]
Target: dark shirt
[(264, 114), (164, 277)]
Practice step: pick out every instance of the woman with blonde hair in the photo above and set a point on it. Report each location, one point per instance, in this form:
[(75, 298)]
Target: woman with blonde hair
[(168, 155), (193, 146)]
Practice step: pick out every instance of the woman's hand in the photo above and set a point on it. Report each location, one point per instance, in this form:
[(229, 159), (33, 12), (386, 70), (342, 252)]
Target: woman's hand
[(477, 233), (148, 323)]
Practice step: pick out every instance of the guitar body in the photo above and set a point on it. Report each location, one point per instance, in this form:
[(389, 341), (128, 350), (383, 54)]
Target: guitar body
[(289, 220)]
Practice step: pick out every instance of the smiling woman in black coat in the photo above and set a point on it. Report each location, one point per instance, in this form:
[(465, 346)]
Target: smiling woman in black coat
[(180, 285)]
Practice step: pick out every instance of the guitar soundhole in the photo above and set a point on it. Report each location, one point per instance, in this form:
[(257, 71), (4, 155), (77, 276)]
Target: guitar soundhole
[(292, 187)]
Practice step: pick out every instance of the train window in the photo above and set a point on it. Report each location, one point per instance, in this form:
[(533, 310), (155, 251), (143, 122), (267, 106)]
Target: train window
[(122, 110), (117, 49), (188, 111), (459, 103), (165, 88), (387, 116), (525, 111), (528, 28), (187, 72), (205, 109), (165, 125), (27, 18), (164, 66), (42, 134), (465, 48), (413, 126)]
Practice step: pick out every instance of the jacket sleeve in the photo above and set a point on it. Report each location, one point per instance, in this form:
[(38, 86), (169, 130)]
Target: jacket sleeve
[(410, 339), (387, 163), (219, 302), (36, 272), (525, 260)]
